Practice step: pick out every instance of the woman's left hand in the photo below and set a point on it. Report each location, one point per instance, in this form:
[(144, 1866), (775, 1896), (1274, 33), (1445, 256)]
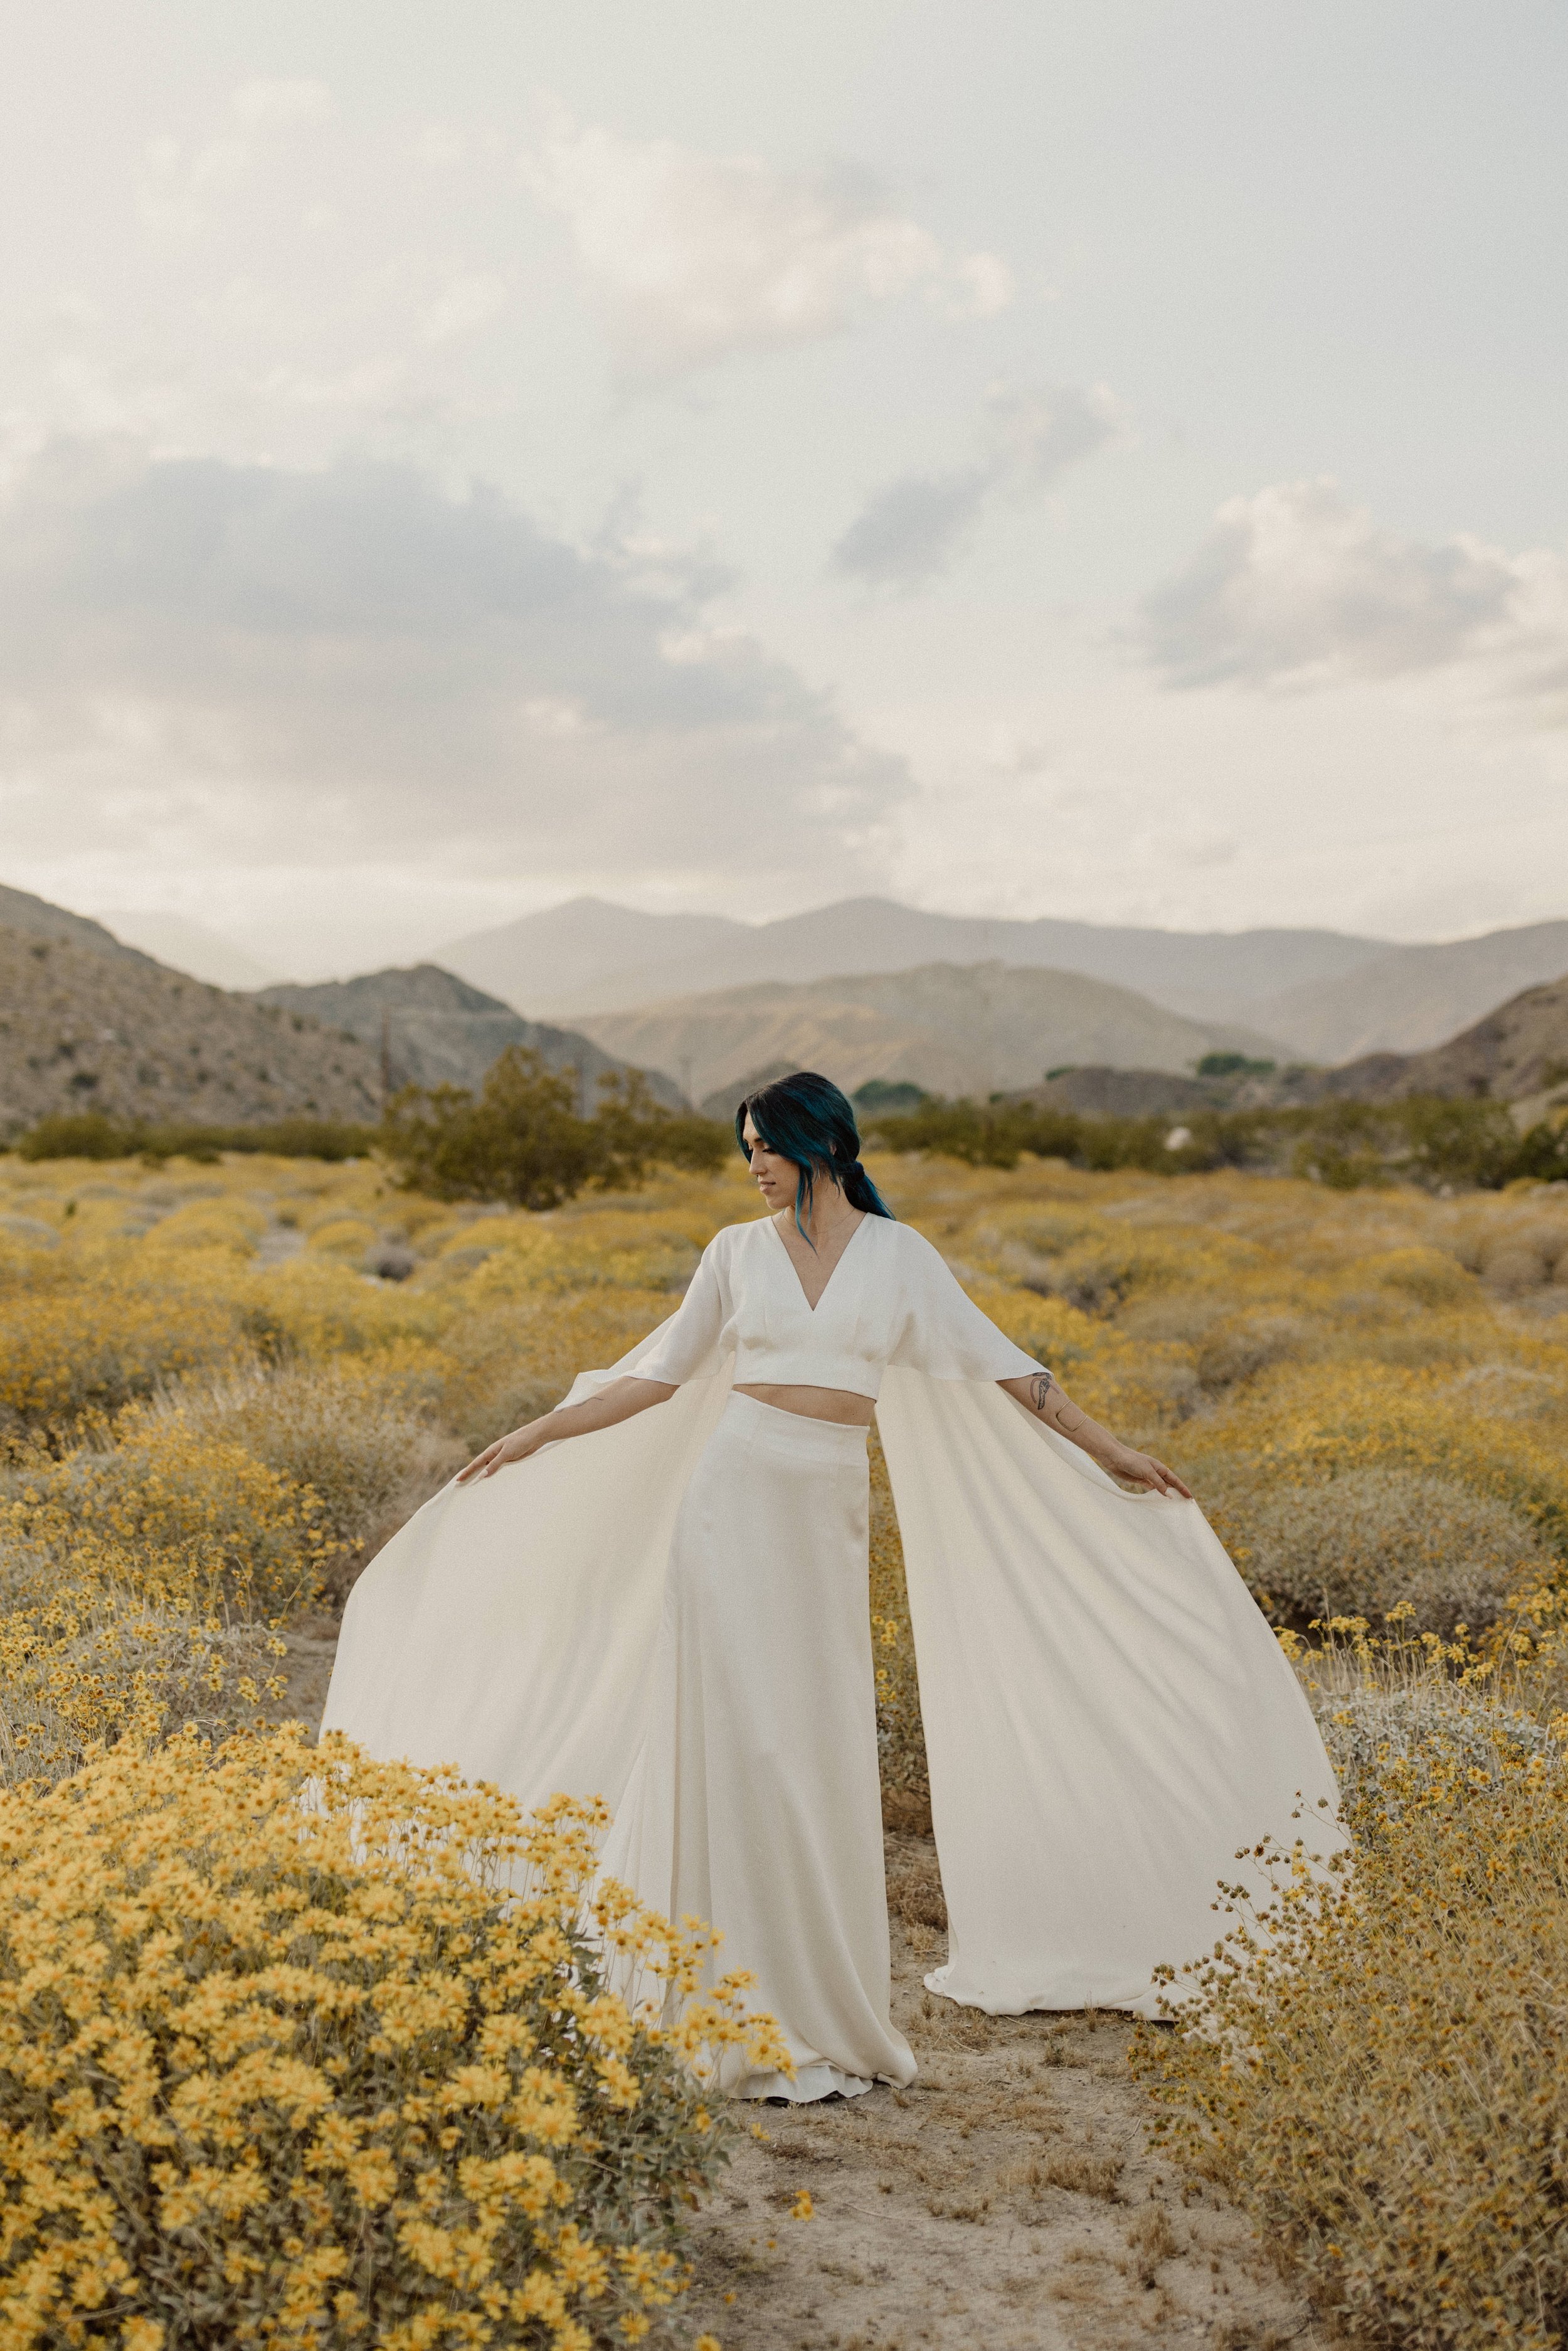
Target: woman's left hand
[(1143, 1469)]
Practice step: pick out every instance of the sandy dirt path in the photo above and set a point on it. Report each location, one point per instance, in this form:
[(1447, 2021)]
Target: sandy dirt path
[(1007, 2200)]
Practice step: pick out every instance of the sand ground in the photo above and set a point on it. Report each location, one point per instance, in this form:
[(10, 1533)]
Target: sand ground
[(1007, 2200)]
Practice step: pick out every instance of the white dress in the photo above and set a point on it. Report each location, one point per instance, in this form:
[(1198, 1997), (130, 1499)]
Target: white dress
[(672, 1614)]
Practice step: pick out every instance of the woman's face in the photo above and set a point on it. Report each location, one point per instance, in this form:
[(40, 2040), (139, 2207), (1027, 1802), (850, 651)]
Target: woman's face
[(776, 1178)]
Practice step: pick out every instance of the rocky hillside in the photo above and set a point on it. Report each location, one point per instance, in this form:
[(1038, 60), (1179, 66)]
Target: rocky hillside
[(20, 911), (1517, 1053), (438, 1030), (953, 1029), (1409, 999), (98, 1026)]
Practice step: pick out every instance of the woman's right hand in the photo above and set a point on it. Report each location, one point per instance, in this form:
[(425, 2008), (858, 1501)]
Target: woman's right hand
[(515, 1447)]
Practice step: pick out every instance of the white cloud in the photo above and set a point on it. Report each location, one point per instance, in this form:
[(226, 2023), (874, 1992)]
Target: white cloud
[(469, 302), (915, 526), (201, 662), (1295, 586), (262, 101), (694, 257), (179, 182)]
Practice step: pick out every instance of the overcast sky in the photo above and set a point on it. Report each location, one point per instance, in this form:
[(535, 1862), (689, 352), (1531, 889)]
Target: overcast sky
[(1106, 461)]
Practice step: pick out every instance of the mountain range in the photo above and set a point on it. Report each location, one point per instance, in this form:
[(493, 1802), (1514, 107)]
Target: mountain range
[(1324, 996), (89, 1023), (433, 1029), (1517, 1053), (950, 1029), (87, 1020)]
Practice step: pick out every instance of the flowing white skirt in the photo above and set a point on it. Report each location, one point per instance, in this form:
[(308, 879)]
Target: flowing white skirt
[(672, 1614), (754, 1800)]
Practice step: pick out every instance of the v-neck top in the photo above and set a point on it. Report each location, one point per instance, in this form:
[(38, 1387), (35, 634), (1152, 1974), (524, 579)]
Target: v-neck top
[(890, 1298)]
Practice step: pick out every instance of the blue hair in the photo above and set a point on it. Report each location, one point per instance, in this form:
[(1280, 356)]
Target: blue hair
[(806, 1119)]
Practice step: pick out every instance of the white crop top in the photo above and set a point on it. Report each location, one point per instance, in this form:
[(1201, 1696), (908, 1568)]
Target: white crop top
[(890, 1298)]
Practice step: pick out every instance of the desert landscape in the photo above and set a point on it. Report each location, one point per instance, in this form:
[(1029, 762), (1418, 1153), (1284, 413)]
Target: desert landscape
[(216, 1408), (561, 567)]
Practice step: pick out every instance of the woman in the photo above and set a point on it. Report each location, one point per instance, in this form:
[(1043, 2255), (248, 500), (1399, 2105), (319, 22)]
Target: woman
[(673, 1613)]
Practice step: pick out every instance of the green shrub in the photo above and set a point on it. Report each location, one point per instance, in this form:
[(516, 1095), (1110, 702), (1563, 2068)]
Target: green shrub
[(523, 1141), (1425, 1140)]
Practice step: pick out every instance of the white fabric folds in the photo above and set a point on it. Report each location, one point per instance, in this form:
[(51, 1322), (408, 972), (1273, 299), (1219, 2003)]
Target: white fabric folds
[(1108, 1717), (755, 1801)]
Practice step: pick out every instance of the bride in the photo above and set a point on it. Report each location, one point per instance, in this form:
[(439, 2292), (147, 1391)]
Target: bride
[(671, 1611)]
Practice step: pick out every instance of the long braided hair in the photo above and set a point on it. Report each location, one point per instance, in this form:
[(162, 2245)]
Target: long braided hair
[(806, 1119)]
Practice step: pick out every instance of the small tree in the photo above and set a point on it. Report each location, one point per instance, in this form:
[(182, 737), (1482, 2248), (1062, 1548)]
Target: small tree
[(522, 1140)]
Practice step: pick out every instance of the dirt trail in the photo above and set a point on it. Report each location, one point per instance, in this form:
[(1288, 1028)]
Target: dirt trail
[(1007, 2198)]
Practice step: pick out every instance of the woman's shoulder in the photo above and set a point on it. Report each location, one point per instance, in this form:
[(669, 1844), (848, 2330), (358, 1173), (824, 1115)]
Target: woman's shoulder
[(904, 1239), (729, 1238), (919, 1263)]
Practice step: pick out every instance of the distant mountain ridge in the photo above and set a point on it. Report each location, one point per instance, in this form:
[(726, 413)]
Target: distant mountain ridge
[(1517, 1053), (951, 1028), (183, 945), (589, 956), (1326, 994), (1417, 997), (440, 1031)]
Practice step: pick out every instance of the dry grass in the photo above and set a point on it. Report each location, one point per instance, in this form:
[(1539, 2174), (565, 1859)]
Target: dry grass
[(1384, 1538)]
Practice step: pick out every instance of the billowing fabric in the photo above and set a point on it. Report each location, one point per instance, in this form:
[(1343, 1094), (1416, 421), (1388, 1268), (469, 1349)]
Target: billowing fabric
[(890, 1298), (1108, 1717), (755, 1801), (1109, 1720)]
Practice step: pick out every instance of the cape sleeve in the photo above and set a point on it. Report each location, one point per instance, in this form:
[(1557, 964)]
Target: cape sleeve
[(688, 1346), (942, 1331), (511, 1624)]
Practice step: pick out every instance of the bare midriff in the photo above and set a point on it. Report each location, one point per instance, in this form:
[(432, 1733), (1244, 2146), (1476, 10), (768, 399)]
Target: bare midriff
[(842, 1404)]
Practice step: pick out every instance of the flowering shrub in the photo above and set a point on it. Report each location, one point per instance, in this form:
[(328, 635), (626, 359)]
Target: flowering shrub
[(300, 2050), (1375, 2066), (1386, 1538), (169, 1509)]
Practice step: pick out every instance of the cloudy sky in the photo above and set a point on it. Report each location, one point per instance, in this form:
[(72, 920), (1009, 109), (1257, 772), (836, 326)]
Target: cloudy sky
[(1106, 461)]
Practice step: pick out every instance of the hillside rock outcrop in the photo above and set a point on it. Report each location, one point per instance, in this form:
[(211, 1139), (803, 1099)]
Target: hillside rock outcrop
[(438, 1031), (82, 1027)]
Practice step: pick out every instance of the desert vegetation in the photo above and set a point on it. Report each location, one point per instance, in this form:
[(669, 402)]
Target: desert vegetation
[(223, 1384), (1441, 1141)]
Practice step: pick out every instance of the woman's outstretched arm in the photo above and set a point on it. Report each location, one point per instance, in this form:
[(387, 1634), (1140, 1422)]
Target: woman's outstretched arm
[(618, 1402), (1049, 1402)]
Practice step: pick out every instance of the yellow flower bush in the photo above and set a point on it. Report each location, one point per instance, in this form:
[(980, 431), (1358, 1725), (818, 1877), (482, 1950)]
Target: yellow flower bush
[(301, 2049), (1376, 2065), (191, 1513)]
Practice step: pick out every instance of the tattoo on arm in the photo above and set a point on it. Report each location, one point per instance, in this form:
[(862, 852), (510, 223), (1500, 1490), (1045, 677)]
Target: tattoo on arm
[(1046, 1398)]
